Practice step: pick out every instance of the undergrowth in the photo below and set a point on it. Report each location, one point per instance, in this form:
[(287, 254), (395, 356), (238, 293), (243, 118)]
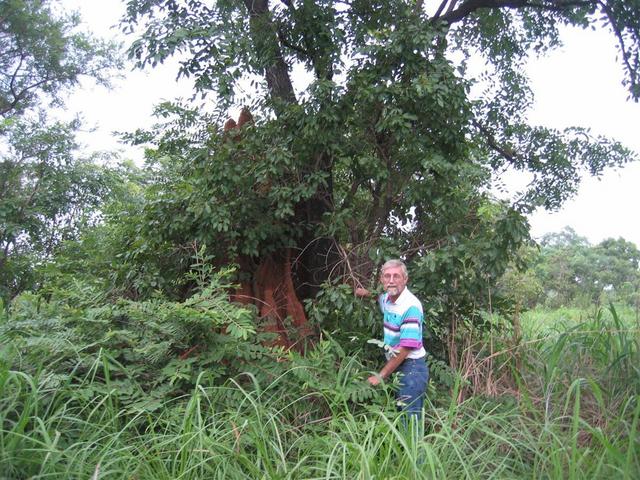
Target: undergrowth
[(92, 388)]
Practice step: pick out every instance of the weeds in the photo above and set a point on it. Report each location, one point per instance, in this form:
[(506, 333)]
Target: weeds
[(571, 410)]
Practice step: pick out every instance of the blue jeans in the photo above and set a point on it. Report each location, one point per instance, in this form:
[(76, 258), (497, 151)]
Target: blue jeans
[(414, 377)]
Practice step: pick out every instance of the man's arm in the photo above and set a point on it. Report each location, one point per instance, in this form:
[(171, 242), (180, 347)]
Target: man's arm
[(390, 367)]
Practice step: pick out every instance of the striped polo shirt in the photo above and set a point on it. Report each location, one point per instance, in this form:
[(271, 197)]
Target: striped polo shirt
[(403, 322)]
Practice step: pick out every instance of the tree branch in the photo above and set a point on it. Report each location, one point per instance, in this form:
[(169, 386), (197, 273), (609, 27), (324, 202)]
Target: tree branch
[(618, 32), (508, 154), (440, 9), (288, 44), (263, 32), (471, 6)]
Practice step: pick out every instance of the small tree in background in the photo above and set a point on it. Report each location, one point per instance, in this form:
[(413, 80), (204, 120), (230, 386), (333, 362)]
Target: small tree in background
[(572, 272), (43, 56)]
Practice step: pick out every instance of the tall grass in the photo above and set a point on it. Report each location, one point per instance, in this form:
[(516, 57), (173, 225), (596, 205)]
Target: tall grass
[(576, 415)]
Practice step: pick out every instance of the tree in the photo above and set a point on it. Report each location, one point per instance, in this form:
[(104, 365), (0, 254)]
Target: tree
[(46, 191), (47, 196), (572, 271), (42, 54), (620, 262), (616, 269), (383, 152)]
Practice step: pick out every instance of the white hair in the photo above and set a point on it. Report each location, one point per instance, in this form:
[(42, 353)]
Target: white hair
[(395, 263)]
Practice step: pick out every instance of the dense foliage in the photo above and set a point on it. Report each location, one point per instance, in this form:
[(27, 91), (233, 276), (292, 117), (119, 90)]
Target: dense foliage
[(566, 270), (48, 192), (136, 352), (385, 144)]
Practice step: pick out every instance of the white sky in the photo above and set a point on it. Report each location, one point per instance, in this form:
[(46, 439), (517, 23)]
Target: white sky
[(578, 85)]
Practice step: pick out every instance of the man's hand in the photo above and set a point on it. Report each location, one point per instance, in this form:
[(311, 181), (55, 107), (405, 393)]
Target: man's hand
[(374, 380), (361, 292)]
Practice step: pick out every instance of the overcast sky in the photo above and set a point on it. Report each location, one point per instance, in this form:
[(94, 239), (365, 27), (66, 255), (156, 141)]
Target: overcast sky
[(578, 85), (581, 85)]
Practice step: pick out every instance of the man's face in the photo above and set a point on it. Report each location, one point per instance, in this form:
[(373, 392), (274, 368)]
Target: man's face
[(393, 281)]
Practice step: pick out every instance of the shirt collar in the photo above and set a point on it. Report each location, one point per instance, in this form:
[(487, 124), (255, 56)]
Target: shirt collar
[(400, 298)]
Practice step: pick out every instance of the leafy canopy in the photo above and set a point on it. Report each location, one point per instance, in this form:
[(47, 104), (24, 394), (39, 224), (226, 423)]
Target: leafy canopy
[(47, 193), (371, 129), (42, 55)]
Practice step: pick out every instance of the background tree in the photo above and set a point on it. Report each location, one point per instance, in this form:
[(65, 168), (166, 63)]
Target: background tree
[(573, 272), (47, 195), (382, 152), (42, 55), (618, 267), (556, 266), (46, 191)]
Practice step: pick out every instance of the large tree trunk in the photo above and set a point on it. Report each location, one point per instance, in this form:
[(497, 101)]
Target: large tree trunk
[(283, 280), (265, 39), (317, 256)]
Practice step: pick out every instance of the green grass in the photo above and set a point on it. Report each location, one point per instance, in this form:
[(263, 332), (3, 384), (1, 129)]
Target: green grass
[(575, 415), (541, 319), (205, 436)]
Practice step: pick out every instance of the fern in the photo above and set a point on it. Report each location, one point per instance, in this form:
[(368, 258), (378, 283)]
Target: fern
[(155, 345)]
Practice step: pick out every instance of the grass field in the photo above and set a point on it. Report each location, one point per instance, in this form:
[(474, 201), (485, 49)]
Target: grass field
[(564, 404)]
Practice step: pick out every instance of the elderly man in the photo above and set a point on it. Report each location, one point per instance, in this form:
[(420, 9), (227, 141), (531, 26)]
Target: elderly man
[(403, 317)]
